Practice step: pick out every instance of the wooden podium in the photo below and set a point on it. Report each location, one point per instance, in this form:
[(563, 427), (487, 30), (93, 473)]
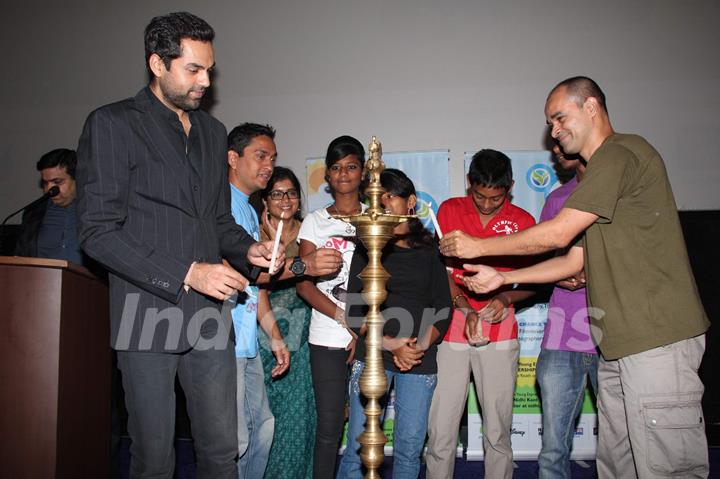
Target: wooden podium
[(54, 370)]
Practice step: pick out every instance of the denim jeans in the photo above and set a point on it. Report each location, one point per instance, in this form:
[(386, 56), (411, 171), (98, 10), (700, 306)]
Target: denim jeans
[(413, 394), (256, 423), (562, 379)]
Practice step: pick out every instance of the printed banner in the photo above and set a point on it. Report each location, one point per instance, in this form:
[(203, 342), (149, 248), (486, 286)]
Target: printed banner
[(535, 178)]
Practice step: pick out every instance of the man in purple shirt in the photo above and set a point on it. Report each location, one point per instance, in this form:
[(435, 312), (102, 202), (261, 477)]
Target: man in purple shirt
[(568, 355)]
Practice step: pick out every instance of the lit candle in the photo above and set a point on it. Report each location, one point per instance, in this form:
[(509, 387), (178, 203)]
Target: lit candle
[(276, 245), (434, 221)]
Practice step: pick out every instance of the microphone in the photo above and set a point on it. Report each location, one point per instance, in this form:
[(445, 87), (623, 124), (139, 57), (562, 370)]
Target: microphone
[(51, 193)]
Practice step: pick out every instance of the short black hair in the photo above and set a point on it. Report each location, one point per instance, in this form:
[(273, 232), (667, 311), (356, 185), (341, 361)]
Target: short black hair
[(164, 33), (281, 173), (399, 184), (581, 88), (241, 136), (61, 157), (341, 147), (338, 149), (491, 168)]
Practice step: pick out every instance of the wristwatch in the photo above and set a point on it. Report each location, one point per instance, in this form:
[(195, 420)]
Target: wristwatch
[(297, 266)]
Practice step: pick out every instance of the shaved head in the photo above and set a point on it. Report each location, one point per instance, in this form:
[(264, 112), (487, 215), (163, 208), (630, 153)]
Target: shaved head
[(580, 89)]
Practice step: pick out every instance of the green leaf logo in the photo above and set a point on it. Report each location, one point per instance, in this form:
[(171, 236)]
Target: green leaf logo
[(540, 177)]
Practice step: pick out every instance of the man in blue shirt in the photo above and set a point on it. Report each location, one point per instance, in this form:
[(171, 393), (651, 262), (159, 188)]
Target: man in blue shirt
[(251, 156), (251, 159)]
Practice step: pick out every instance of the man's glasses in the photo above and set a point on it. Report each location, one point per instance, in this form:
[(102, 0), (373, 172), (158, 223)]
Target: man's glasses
[(277, 195)]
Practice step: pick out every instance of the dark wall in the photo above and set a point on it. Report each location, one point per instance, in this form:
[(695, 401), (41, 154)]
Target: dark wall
[(702, 232)]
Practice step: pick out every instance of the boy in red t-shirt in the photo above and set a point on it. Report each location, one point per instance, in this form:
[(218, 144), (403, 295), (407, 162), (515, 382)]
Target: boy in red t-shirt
[(482, 337)]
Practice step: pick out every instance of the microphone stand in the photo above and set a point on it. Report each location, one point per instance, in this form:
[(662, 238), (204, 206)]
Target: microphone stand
[(51, 193)]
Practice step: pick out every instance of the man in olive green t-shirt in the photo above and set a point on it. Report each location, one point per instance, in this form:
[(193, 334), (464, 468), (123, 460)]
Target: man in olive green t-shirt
[(646, 315)]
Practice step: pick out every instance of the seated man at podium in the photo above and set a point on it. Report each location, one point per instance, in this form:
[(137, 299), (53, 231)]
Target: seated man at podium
[(49, 228)]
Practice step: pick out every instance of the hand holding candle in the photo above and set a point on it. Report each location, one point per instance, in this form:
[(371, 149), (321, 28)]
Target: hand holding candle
[(276, 245)]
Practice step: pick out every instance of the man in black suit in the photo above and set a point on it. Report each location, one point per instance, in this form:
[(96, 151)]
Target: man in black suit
[(154, 208)]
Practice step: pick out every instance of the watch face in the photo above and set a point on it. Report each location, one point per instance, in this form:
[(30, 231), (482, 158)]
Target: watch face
[(297, 267)]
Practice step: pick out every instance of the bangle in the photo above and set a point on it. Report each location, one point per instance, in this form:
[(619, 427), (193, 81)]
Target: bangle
[(456, 298)]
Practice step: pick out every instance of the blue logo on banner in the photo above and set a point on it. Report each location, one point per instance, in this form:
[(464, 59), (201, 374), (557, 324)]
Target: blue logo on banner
[(424, 200), (541, 178)]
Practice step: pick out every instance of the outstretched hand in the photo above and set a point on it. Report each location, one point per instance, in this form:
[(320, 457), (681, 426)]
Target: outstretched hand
[(485, 279)]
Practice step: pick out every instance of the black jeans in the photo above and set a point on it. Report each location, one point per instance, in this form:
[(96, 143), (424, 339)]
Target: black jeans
[(208, 379), (329, 374)]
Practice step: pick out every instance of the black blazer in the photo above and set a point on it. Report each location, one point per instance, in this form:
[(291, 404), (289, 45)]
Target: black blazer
[(146, 213)]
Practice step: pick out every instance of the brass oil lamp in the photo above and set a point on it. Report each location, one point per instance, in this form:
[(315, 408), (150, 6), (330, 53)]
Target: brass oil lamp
[(374, 228)]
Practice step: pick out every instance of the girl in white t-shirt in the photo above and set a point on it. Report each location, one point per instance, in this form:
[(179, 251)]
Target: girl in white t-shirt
[(332, 344)]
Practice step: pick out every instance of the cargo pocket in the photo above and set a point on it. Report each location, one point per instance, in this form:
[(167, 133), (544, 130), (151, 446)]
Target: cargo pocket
[(675, 432)]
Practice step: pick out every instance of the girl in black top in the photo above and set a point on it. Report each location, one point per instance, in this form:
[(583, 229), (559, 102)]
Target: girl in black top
[(417, 313)]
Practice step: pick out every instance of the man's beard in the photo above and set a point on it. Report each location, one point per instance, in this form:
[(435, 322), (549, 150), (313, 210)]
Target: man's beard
[(180, 100)]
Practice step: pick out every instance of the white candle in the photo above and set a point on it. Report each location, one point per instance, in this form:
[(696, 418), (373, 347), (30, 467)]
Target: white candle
[(434, 221), (276, 246)]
